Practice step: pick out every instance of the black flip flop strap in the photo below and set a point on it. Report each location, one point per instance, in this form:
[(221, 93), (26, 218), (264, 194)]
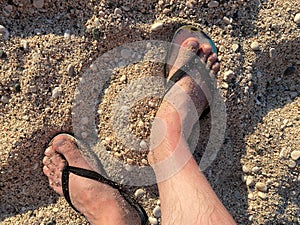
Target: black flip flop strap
[(97, 177), (178, 75)]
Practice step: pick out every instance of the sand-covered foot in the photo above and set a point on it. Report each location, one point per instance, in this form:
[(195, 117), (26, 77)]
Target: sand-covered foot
[(185, 101), (99, 203)]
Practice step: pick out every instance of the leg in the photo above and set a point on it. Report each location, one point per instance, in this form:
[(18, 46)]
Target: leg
[(186, 196), (99, 203)]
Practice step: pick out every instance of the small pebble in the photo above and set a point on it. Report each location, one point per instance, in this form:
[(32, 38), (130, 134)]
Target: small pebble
[(4, 32), (117, 11), (251, 196), (262, 195), (143, 144), (7, 10), (139, 193), (295, 155), (55, 209), (4, 99), (297, 18), (67, 34), (153, 220), (96, 34), (55, 92), (227, 20), (213, 4), (156, 211), (289, 71), (272, 53), (51, 222), (228, 75), (255, 46), (249, 181), (261, 186), (145, 161), (225, 85), (123, 78), (255, 169), (17, 87), (157, 26), (235, 47), (70, 70), (125, 8), (291, 163), (24, 44), (38, 4)]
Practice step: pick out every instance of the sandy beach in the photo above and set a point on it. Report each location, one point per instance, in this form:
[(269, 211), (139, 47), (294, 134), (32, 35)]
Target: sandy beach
[(50, 50)]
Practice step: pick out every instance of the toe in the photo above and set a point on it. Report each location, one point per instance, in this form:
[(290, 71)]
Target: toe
[(49, 152), (212, 58), (215, 67)]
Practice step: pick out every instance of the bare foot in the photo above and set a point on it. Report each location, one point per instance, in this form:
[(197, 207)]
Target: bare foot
[(99, 203)]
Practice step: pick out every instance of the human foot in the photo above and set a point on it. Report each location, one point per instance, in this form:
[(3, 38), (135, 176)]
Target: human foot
[(187, 98), (98, 202)]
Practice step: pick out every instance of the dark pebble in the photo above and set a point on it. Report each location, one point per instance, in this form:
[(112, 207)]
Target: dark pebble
[(2, 54), (17, 87), (289, 71), (96, 34)]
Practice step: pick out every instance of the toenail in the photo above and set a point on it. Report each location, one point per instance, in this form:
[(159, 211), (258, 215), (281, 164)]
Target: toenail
[(59, 143), (192, 44)]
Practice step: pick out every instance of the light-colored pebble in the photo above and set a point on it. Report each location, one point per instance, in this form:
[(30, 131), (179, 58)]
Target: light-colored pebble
[(227, 20), (55, 92), (249, 181), (156, 211), (70, 70), (118, 11), (38, 4), (261, 186), (295, 155), (245, 169), (4, 99), (291, 163), (24, 44), (67, 34), (139, 193), (251, 196), (55, 209), (213, 4), (157, 26), (272, 53), (153, 220), (235, 47), (123, 78), (4, 32), (225, 85), (262, 195), (297, 18), (255, 46), (143, 144), (144, 161), (228, 75), (255, 169), (125, 8)]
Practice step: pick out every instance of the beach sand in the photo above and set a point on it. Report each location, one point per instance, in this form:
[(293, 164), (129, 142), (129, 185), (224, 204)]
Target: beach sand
[(48, 49)]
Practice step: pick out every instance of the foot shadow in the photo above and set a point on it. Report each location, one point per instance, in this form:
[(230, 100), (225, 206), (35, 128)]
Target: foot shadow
[(23, 187)]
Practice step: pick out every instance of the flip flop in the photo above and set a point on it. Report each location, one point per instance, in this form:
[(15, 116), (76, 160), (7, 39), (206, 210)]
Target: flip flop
[(179, 37), (67, 170)]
